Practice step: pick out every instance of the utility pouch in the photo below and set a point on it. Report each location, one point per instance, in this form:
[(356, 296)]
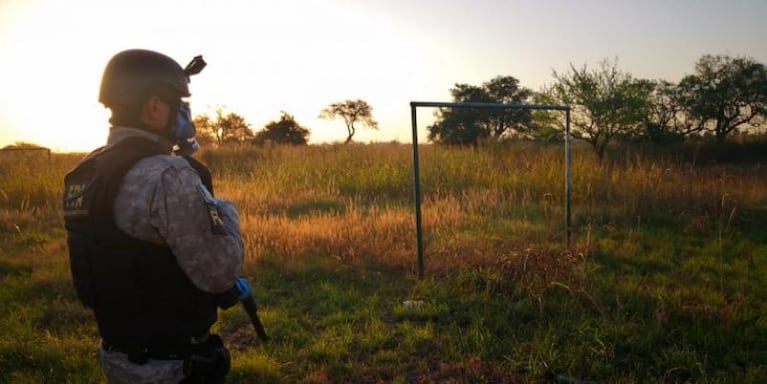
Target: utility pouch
[(208, 363)]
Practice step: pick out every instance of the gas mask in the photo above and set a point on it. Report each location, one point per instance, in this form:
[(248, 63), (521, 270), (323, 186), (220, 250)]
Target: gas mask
[(185, 143)]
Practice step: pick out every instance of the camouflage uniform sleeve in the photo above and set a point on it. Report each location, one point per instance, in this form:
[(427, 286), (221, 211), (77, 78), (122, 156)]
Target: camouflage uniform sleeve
[(203, 232)]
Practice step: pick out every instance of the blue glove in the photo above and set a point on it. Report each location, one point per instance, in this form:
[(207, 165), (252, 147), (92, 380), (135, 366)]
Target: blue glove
[(244, 288)]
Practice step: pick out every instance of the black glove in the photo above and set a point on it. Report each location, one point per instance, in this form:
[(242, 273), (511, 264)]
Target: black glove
[(241, 290)]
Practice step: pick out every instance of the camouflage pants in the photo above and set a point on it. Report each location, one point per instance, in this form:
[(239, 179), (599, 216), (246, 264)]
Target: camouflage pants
[(119, 370)]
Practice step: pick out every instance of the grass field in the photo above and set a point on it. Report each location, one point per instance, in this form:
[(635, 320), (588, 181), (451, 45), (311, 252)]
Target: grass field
[(664, 282)]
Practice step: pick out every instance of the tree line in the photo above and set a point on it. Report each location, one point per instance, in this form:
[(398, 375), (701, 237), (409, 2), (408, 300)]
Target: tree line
[(722, 96), (230, 127)]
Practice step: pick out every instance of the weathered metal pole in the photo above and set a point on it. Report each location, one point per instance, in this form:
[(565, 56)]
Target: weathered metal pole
[(417, 184), (568, 180)]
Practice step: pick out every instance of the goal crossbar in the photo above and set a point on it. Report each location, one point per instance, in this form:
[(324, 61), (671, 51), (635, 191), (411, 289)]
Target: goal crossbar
[(437, 104), (414, 105)]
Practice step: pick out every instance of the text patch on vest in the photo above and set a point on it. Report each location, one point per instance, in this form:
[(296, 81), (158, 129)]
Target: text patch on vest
[(77, 198)]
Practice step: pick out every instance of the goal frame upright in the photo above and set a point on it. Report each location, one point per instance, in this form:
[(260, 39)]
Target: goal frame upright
[(414, 105)]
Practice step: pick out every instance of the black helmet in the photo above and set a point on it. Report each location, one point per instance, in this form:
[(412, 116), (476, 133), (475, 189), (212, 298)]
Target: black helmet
[(130, 76)]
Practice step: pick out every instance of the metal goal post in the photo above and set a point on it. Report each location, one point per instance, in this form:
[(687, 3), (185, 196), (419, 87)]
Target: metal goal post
[(414, 105)]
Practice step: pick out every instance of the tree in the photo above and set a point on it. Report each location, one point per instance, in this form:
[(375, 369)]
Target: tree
[(206, 133), (725, 94), (605, 102), (227, 128), (666, 121), (234, 129), (549, 125), (468, 126), (284, 131), (352, 111)]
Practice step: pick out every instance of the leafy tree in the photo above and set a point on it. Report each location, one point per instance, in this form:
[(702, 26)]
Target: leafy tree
[(284, 131), (352, 111), (226, 128), (606, 102), (666, 121), (206, 131), (468, 126), (725, 94), (549, 125), (506, 90)]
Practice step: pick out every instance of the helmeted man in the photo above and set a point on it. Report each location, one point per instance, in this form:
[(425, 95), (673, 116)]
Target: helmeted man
[(152, 252)]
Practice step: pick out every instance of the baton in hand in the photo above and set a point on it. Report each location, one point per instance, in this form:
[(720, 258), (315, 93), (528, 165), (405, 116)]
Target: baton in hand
[(250, 308), (249, 305)]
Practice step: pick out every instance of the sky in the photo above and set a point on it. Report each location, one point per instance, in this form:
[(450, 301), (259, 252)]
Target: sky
[(299, 56)]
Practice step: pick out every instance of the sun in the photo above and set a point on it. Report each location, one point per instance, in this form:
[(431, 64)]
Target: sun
[(49, 89), (49, 86)]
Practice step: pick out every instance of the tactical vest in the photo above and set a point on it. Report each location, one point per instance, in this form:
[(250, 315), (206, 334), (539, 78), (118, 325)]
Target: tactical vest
[(138, 292)]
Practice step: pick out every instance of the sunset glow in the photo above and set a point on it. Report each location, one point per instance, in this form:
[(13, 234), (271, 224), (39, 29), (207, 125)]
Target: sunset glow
[(299, 56)]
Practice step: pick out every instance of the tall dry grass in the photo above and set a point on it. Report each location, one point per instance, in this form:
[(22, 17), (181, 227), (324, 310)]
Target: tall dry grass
[(354, 201), (666, 253), (357, 200)]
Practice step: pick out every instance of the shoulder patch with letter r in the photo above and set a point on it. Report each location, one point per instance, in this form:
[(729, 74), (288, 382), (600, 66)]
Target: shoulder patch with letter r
[(217, 225)]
